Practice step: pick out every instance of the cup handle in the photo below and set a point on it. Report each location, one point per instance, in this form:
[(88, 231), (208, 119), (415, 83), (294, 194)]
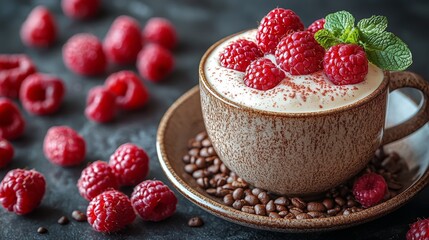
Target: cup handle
[(412, 80)]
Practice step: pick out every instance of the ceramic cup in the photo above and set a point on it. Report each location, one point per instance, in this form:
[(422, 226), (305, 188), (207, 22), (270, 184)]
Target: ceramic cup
[(304, 153)]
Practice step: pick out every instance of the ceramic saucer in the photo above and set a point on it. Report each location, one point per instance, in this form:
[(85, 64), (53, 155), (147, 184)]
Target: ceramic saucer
[(184, 120)]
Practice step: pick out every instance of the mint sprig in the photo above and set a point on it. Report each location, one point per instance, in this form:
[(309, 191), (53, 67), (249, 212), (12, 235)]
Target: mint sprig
[(383, 49)]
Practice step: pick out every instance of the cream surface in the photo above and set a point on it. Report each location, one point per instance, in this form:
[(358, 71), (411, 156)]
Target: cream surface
[(295, 94)]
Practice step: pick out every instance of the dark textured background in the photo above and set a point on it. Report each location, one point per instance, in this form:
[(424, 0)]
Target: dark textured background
[(199, 24)]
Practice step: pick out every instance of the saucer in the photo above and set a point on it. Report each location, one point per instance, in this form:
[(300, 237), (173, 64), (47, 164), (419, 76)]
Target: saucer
[(183, 120)]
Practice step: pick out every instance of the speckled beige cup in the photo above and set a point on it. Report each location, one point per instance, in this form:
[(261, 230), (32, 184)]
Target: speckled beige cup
[(304, 153)]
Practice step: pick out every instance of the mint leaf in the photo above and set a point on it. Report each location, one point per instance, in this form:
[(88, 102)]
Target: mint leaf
[(338, 22), (372, 25), (326, 39), (350, 36), (387, 51)]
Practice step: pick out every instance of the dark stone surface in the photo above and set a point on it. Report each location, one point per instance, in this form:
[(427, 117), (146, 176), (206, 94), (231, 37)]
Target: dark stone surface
[(199, 23)]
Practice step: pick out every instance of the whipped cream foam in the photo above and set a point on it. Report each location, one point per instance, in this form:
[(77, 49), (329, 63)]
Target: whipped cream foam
[(294, 94)]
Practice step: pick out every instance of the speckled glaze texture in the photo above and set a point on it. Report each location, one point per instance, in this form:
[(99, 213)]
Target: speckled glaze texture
[(303, 153)]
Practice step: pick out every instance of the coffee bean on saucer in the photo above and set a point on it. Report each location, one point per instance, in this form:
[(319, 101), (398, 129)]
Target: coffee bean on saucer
[(251, 199), (340, 201), (394, 185), (190, 168), (78, 216), (195, 222), (270, 207), (316, 214), (228, 199), (328, 203), (201, 136), (248, 209), (281, 201), (42, 230), (273, 215), (211, 191), (206, 143), (63, 220), (298, 202), (316, 207), (238, 204), (263, 197), (203, 182), (238, 193), (194, 152), (260, 209), (303, 216)]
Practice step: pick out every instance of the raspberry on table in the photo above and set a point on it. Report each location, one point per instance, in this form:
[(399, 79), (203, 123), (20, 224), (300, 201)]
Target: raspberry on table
[(64, 146), (316, 25), (6, 152), (299, 54), (419, 230), (161, 31), (155, 62), (274, 26), (345, 64), (12, 123), (21, 191), (84, 55), (369, 189), (262, 74), (123, 40), (42, 94), (110, 211), (100, 105), (153, 200), (239, 54), (130, 92), (95, 179), (130, 164), (14, 68), (80, 9), (39, 29)]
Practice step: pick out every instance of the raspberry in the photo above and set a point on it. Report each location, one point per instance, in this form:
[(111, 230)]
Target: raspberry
[(6, 152), (80, 9), (129, 90), (123, 40), (419, 230), (161, 31), (316, 25), (39, 29), (278, 23), (130, 164), (239, 54), (42, 94), (21, 191), (83, 54), (263, 74), (345, 64), (369, 189), (64, 146), (153, 200), (14, 69), (100, 105), (11, 121), (110, 211), (155, 62), (95, 179), (299, 54)]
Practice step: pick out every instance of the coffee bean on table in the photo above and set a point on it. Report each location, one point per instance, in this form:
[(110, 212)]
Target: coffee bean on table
[(78, 216), (195, 222), (42, 230), (63, 220)]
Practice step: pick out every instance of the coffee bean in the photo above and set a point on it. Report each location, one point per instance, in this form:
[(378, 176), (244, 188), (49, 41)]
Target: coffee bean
[(217, 161), (328, 203), (211, 191), (206, 143), (238, 193), (280, 208), (281, 201), (351, 203), (332, 212), (273, 215), (199, 173), (296, 210), (303, 216), (204, 152), (248, 209), (394, 185), (228, 186), (228, 199), (224, 169), (194, 152), (195, 222), (238, 184), (260, 210), (220, 182), (316, 207), (213, 169), (203, 182), (193, 159), (298, 202), (78, 216), (211, 151), (201, 136), (186, 159), (195, 144), (251, 199), (238, 204), (42, 230), (263, 197), (340, 201), (347, 212), (290, 216), (284, 213), (190, 168), (316, 214), (256, 191), (271, 207), (248, 191), (63, 220), (221, 192), (200, 162)]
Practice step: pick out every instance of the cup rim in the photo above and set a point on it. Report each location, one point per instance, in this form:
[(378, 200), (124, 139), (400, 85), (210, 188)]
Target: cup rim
[(203, 82)]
